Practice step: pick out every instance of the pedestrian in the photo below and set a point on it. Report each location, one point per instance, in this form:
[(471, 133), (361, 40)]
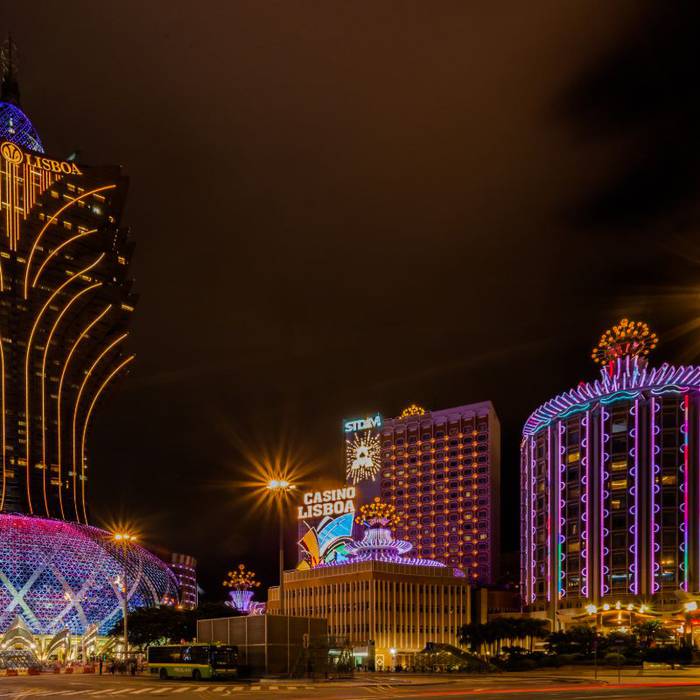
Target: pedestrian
[(100, 665)]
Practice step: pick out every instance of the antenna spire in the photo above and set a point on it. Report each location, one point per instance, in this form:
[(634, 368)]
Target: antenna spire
[(9, 87)]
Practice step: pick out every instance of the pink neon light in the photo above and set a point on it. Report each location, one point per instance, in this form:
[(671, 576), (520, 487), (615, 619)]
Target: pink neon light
[(549, 514), (561, 573), (652, 511), (533, 532), (587, 512), (686, 490), (636, 498), (604, 588)]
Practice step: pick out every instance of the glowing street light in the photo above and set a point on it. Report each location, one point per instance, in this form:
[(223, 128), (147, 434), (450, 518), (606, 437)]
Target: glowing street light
[(280, 489), (124, 539)]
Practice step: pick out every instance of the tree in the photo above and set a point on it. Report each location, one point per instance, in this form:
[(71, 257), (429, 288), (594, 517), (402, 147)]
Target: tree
[(157, 625), (651, 631), (166, 624), (579, 639)]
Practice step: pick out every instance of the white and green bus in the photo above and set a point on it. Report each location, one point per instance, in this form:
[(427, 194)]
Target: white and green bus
[(195, 661)]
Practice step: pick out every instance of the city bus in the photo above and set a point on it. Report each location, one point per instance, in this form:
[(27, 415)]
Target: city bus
[(196, 661)]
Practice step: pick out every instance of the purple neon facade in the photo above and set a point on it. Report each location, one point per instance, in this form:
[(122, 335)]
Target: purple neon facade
[(621, 456), (58, 575)]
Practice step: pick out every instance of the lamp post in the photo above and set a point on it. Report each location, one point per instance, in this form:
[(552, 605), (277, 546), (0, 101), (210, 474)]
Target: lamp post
[(125, 539), (280, 489)]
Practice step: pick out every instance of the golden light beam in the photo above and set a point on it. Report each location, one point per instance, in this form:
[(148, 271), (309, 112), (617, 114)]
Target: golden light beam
[(57, 250), (75, 415), (109, 378), (52, 220), (84, 333), (26, 367), (47, 345)]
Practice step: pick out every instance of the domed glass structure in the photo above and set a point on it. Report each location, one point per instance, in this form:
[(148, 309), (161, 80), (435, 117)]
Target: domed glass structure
[(58, 575), (15, 126)]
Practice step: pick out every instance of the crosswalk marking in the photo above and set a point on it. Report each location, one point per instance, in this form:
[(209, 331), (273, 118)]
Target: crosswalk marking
[(182, 690), (237, 687), (200, 689), (218, 688), (143, 690), (161, 690)]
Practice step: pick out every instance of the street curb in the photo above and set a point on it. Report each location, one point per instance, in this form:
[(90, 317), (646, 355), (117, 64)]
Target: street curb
[(14, 672)]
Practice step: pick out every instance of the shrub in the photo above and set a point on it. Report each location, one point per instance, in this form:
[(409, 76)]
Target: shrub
[(614, 659)]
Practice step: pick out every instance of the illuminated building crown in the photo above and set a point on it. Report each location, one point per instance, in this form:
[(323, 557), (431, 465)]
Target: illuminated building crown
[(378, 543), (627, 338), (15, 126)]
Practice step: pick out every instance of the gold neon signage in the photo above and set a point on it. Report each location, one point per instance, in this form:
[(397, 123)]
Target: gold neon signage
[(16, 155)]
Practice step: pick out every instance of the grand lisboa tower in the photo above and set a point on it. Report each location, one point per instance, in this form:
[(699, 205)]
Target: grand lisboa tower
[(65, 303), (610, 476)]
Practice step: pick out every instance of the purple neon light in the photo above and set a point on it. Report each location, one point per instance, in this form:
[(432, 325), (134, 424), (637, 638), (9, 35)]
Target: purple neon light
[(604, 493), (533, 531), (379, 545), (561, 571), (241, 600), (686, 493), (627, 375), (655, 586), (524, 519), (549, 514), (58, 575), (585, 516), (634, 453)]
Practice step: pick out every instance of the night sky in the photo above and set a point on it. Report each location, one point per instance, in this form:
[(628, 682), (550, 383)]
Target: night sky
[(343, 207)]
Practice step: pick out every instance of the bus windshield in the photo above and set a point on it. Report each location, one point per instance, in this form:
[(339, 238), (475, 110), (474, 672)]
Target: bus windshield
[(224, 657)]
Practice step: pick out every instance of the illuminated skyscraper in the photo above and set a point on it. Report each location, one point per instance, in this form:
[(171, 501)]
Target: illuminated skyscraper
[(65, 302), (441, 469)]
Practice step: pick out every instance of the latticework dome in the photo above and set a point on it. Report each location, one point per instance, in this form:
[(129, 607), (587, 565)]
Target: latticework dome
[(15, 126), (58, 575)]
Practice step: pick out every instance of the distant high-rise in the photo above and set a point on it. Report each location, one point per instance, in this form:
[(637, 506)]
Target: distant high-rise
[(441, 469), (65, 303), (185, 569)]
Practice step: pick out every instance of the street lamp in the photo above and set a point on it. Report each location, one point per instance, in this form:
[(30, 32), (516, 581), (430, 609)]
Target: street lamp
[(279, 488), (124, 539)]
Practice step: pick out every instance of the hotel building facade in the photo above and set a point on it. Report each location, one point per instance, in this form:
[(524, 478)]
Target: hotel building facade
[(610, 486), (65, 303), (387, 604), (387, 610), (441, 469)]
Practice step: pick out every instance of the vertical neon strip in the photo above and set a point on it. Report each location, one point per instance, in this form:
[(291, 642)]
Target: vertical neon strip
[(635, 513), (525, 521), (604, 588), (533, 532), (586, 515), (652, 505), (686, 492), (561, 469), (549, 513)]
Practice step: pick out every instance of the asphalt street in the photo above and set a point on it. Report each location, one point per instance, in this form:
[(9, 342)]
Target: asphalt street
[(504, 686)]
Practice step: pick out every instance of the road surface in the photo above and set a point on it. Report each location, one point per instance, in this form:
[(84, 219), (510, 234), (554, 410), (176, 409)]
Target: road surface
[(510, 686)]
